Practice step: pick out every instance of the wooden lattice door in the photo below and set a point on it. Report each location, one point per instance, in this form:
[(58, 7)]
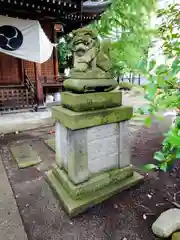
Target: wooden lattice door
[(10, 70)]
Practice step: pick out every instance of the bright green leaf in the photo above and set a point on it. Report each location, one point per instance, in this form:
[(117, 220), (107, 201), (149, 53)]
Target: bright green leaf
[(174, 139), (162, 69), (152, 65), (150, 167), (152, 89), (164, 166), (178, 155), (148, 121), (159, 156)]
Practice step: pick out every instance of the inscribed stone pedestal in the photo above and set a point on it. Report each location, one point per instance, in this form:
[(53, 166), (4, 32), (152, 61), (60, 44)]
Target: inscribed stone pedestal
[(92, 150)]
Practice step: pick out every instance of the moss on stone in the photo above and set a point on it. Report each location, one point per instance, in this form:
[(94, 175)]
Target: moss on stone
[(176, 236), (91, 101), (90, 84), (95, 182), (51, 144), (78, 120), (77, 170), (74, 207), (25, 156)]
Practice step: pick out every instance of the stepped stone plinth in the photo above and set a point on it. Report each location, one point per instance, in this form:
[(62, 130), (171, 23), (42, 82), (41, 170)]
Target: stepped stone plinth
[(93, 154)]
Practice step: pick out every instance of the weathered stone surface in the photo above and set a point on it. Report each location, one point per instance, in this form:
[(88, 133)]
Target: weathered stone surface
[(71, 152), (78, 120), (103, 151), (167, 223), (25, 156), (77, 156), (124, 144), (103, 131), (94, 149), (176, 236), (92, 64), (94, 183), (51, 144), (91, 101), (103, 163), (58, 144), (86, 85), (90, 55), (61, 145), (74, 207)]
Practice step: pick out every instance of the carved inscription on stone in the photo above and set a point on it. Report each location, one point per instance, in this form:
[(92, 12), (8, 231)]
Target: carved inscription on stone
[(103, 131), (103, 147), (104, 163)]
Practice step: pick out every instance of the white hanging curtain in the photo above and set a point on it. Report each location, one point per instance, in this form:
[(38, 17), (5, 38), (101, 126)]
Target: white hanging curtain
[(24, 39)]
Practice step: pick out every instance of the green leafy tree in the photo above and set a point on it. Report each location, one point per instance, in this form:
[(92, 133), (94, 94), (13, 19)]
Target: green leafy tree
[(129, 51), (64, 53), (163, 88), (127, 24)]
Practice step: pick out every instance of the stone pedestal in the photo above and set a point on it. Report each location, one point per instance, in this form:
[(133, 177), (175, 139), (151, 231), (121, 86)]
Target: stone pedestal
[(92, 150)]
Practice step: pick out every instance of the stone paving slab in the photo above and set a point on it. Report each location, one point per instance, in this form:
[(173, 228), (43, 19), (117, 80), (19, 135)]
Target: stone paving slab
[(51, 144), (25, 156), (24, 121), (11, 227)]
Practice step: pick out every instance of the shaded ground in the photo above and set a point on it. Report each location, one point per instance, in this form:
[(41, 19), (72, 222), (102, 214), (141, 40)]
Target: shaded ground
[(120, 217)]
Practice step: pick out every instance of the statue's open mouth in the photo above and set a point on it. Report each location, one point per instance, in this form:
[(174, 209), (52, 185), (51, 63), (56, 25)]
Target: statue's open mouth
[(80, 52)]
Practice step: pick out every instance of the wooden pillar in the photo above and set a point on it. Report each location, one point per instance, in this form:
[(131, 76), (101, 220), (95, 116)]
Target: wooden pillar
[(39, 86), (55, 54), (21, 63)]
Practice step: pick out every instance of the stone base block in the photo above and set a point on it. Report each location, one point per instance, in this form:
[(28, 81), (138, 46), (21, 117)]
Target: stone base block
[(74, 206), (93, 84), (91, 101), (95, 183), (79, 120)]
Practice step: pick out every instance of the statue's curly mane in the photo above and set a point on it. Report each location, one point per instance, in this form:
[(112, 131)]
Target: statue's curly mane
[(85, 31)]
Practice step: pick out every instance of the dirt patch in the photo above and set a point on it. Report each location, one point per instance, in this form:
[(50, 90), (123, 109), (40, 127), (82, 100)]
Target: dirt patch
[(122, 216)]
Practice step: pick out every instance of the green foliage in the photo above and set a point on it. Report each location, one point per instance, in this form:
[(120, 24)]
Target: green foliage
[(64, 51), (131, 17), (163, 88)]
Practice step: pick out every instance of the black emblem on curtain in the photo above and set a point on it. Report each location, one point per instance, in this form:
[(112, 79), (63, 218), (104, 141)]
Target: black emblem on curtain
[(11, 38)]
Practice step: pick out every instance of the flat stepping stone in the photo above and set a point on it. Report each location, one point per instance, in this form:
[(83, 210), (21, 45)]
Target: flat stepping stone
[(51, 144), (167, 223), (25, 156)]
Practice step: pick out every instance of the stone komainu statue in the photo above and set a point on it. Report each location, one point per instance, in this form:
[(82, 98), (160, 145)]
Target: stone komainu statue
[(91, 63), (88, 53)]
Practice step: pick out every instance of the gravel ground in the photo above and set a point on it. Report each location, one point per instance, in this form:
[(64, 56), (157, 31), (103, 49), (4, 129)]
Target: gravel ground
[(126, 216)]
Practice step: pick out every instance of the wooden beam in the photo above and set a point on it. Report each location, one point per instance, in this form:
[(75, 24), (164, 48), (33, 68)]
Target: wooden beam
[(39, 86)]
